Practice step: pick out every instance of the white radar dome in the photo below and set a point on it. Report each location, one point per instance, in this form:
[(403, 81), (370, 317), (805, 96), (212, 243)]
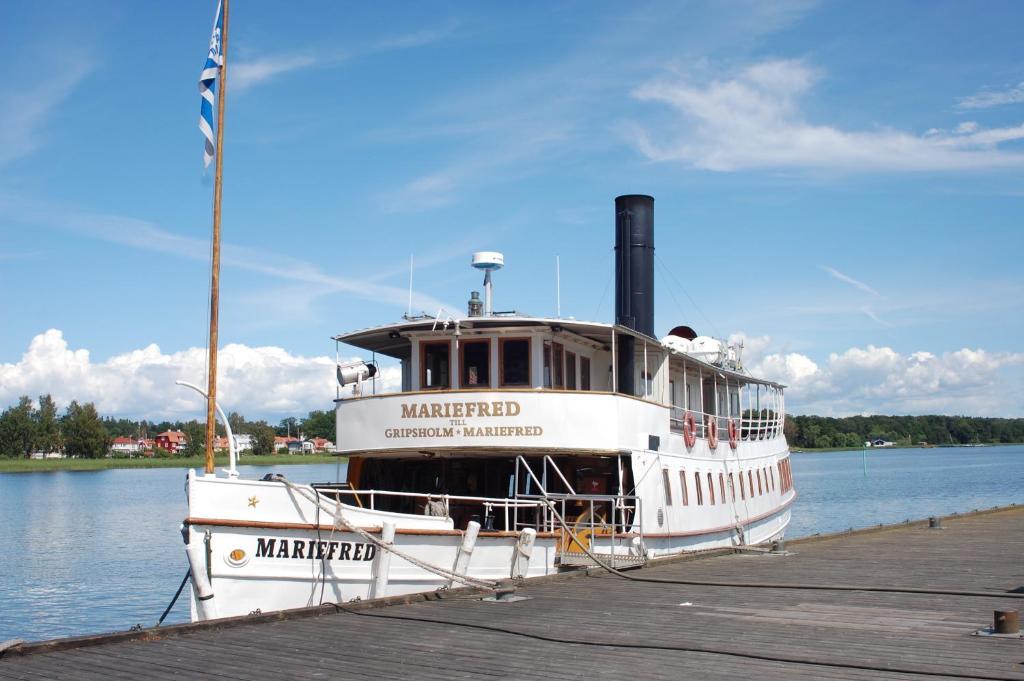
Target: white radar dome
[(488, 261)]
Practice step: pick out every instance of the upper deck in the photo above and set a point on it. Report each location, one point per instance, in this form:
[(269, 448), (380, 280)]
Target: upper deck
[(513, 383)]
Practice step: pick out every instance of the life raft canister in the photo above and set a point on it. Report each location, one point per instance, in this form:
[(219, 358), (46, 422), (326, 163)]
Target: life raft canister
[(713, 433), (734, 434), (689, 430)]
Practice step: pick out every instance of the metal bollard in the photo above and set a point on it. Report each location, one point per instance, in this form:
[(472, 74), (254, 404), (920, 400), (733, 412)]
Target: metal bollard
[(1006, 622)]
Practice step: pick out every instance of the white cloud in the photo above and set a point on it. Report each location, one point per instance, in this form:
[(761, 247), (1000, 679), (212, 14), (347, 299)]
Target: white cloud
[(26, 108), (881, 380), (144, 235), (989, 98), (248, 73), (836, 274), (754, 120), (255, 381)]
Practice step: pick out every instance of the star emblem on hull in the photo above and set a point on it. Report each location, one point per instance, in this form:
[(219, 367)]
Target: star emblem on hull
[(253, 501)]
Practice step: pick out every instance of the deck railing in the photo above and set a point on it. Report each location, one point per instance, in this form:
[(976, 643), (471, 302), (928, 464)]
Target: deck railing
[(439, 505), (751, 425)]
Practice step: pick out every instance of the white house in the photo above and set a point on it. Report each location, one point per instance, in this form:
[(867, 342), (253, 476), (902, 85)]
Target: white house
[(126, 446)]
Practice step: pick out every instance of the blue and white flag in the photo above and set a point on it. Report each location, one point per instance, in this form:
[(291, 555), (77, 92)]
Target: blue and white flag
[(208, 81)]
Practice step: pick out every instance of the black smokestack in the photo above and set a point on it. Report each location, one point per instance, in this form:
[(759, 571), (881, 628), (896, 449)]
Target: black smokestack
[(634, 262), (634, 278)]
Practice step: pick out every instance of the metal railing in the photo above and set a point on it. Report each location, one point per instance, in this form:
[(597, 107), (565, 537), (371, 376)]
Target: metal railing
[(604, 521), (368, 498), (752, 426), (609, 525)]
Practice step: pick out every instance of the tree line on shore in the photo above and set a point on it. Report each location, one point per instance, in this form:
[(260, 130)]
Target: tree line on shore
[(823, 432), (82, 433)]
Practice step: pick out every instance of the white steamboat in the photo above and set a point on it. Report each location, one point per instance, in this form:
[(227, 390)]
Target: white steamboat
[(517, 446)]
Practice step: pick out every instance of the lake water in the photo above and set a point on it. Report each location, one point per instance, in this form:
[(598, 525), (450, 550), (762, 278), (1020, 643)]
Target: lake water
[(87, 552)]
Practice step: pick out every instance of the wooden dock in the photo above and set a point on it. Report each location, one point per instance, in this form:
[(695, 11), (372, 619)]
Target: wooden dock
[(604, 627)]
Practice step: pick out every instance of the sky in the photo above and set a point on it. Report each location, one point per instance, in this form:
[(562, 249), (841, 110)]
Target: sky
[(838, 185)]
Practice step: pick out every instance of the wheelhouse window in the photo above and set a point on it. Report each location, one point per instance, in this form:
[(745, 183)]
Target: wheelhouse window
[(584, 373), (435, 369), (668, 486), (476, 364), (570, 370), (515, 361)]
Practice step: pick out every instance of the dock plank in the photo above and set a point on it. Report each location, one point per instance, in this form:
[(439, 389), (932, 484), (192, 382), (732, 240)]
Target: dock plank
[(605, 627)]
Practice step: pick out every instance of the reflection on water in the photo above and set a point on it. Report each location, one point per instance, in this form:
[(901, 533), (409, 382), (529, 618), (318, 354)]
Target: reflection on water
[(86, 552)]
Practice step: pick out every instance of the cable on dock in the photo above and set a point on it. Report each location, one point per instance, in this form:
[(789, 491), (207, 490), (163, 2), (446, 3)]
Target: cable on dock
[(768, 585), (684, 649)]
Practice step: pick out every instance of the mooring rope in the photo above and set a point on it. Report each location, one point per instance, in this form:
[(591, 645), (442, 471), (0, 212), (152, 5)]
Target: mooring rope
[(341, 523), (184, 581)]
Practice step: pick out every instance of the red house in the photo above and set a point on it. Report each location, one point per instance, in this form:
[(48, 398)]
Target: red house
[(172, 440)]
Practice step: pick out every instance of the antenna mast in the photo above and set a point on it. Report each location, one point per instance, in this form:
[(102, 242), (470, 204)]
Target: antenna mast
[(408, 314), (558, 288)]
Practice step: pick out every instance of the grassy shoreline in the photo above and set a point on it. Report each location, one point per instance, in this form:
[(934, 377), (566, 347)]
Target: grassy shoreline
[(818, 450), (48, 465)]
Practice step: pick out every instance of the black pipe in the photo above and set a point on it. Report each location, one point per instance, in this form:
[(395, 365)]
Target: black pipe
[(634, 262), (634, 279)]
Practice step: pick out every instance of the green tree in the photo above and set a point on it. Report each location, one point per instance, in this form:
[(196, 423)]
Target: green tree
[(319, 424), (264, 438), (238, 423), (288, 426), (18, 429), (48, 437), (195, 435), (84, 434)]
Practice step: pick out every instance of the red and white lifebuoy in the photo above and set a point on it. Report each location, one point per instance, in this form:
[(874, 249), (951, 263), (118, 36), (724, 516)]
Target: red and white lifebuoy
[(689, 430), (734, 434), (713, 433)]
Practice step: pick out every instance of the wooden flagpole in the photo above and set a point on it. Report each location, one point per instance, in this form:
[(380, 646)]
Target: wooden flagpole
[(211, 390)]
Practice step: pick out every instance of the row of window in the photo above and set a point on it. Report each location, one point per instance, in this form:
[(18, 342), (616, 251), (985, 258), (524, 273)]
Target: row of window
[(764, 478), (785, 475), (475, 363), (562, 369)]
